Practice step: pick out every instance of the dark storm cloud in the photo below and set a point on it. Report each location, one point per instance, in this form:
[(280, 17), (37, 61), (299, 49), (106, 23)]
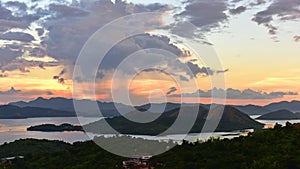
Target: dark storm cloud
[(183, 78), (59, 77), (285, 10), (203, 13), (41, 65), (172, 90), (8, 24), (19, 5), (222, 71), (40, 31), (137, 8), (199, 17), (67, 34), (66, 26), (61, 80), (5, 13), (67, 30), (257, 3), (36, 52), (55, 77), (18, 36), (67, 11), (22, 20), (23, 65), (196, 70), (14, 14), (7, 55), (122, 50), (237, 10), (62, 72)]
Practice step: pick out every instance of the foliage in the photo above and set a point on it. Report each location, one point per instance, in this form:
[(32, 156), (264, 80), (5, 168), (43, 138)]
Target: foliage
[(266, 149), (232, 119), (277, 148), (55, 128)]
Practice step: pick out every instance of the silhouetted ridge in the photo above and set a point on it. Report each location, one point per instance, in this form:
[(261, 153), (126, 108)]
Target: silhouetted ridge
[(232, 119), (280, 115), (13, 112)]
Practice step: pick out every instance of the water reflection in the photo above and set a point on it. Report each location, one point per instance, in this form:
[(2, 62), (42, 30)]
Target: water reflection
[(271, 123), (14, 129)]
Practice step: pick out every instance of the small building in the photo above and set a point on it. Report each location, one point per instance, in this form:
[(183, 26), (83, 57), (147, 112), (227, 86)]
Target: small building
[(9, 160), (138, 162)]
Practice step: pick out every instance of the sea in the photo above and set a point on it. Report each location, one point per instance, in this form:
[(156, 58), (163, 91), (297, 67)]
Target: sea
[(15, 129)]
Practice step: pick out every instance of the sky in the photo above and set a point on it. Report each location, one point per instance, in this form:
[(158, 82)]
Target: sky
[(248, 49)]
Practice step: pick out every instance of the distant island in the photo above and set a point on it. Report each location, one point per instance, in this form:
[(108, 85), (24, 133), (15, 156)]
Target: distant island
[(55, 128), (231, 120), (280, 115)]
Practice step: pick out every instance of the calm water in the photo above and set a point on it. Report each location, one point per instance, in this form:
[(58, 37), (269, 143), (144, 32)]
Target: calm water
[(271, 123), (14, 129)]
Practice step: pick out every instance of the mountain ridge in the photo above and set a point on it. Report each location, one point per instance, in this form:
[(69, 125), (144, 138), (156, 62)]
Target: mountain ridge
[(111, 109), (15, 112), (280, 115), (232, 119)]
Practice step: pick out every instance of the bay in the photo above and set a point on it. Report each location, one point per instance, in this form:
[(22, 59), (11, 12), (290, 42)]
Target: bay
[(14, 129)]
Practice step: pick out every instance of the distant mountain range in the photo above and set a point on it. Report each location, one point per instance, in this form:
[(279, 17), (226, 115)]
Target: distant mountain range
[(232, 119), (110, 109), (280, 115), (293, 106), (15, 112), (253, 109), (86, 106)]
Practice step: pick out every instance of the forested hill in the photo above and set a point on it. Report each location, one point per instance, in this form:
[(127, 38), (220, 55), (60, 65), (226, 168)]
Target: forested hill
[(232, 119)]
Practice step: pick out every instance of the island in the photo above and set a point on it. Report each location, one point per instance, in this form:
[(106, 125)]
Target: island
[(55, 128), (280, 115), (232, 120)]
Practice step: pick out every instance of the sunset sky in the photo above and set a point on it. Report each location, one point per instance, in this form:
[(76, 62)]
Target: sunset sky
[(257, 42)]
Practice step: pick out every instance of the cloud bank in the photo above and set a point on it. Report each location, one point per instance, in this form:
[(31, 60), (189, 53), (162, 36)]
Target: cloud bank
[(247, 94)]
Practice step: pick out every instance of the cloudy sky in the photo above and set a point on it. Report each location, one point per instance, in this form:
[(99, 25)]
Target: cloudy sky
[(257, 43)]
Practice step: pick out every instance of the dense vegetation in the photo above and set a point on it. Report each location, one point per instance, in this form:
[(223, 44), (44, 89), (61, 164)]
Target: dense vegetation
[(277, 148), (55, 128), (232, 119)]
